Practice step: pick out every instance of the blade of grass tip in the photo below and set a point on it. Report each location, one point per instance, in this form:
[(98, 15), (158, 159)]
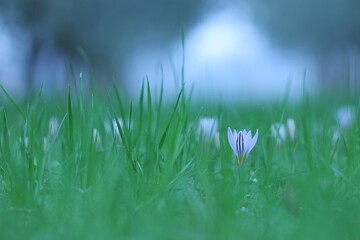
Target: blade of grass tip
[(127, 147), (183, 67), (88, 62), (304, 86), (36, 100), (13, 102), (285, 99), (191, 92), (121, 132), (149, 97), (53, 140), (183, 57), (198, 114), (161, 89), (332, 155), (58, 130), (349, 160), (141, 106), (31, 167), (308, 147), (122, 112), (170, 120), (41, 90), (159, 105), (181, 172), (150, 114), (130, 115), (41, 118), (129, 124), (70, 114), (80, 105), (306, 131), (286, 94), (70, 66), (6, 147), (92, 103), (174, 71), (137, 164)]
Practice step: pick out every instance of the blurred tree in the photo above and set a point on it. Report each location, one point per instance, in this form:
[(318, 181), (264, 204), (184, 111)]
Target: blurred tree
[(104, 30), (324, 28), (319, 25)]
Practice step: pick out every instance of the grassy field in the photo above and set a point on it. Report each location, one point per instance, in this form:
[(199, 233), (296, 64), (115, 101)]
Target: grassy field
[(158, 177)]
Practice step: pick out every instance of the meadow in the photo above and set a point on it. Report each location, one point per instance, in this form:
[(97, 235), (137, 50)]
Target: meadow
[(97, 166)]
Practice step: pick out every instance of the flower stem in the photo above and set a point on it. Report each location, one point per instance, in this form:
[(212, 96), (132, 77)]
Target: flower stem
[(241, 159)]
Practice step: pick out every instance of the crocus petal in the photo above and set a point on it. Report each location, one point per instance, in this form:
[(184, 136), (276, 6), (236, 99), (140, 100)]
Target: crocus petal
[(254, 140), (244, 132), (291, 126), (234, 137), (248, 142), (231, 140), (235, 133), (240, 144)]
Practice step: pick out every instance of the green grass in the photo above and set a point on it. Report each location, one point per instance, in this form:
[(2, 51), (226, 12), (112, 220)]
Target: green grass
[(158, 180)]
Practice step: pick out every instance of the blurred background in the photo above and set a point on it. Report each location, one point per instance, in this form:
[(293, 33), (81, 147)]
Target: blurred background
[(248, 49)]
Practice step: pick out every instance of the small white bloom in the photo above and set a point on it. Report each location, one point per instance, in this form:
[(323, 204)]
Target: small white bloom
[(281, 133), (242, 143), (208, 127), (96, 138), (278, 132), (291, 128), (208, 130), (53, 126), (345, 116)]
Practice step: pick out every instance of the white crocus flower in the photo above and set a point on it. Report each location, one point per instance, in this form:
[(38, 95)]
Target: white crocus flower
[(208, 129), (291, 127), (278, 132), (53, 126), (281, 133), (242, 143), (345, 116)]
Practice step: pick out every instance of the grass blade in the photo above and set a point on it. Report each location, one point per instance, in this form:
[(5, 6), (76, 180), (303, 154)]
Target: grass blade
[(13, 102), (162, 140), (71, 120)]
